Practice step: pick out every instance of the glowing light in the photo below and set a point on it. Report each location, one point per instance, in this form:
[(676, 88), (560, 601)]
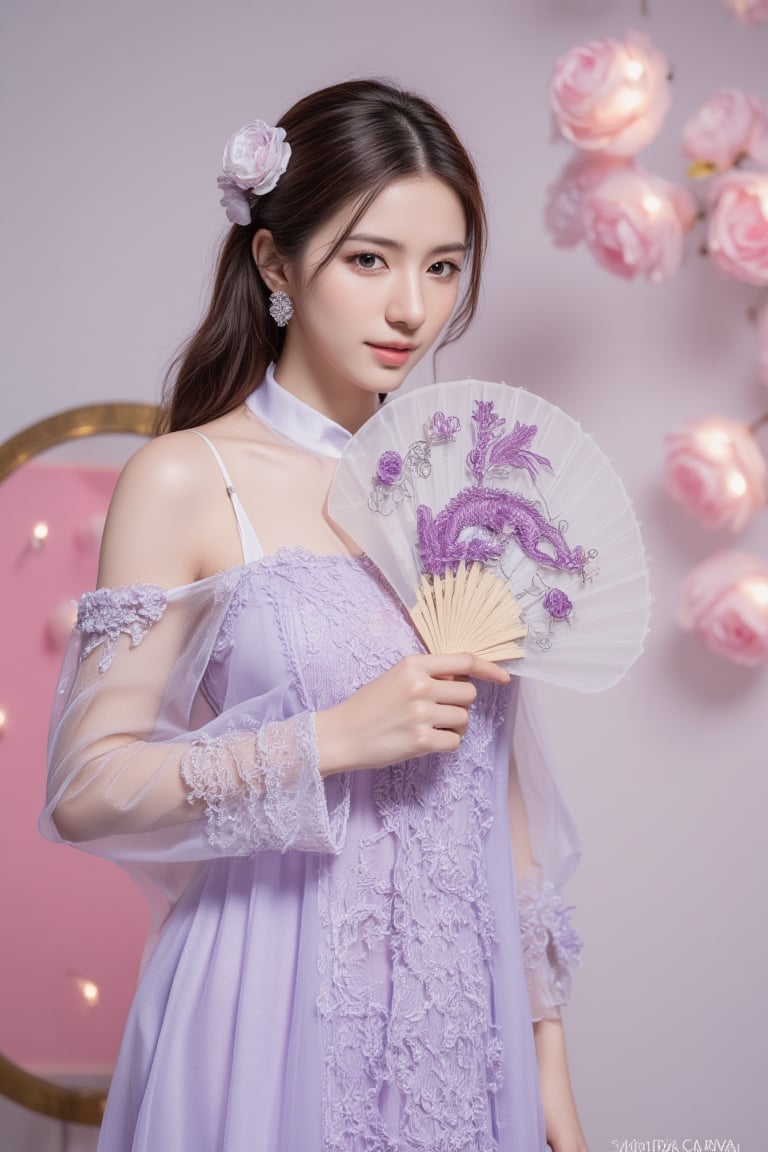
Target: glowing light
[(652, 203), (716, 442), (3, 720), (627, 101), (634, 70), (757, 591), (39, 534), (764, 202), (89, 991), (736, 482)]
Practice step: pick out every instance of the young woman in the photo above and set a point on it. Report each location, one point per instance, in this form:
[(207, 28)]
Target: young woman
[(323, 815)]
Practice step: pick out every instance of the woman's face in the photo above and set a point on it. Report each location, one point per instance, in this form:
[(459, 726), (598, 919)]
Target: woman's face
[(371, 314)]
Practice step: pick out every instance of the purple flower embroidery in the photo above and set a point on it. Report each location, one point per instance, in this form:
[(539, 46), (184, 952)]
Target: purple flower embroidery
[(557, 604), (102, 615), (443, 427), (389, 468)]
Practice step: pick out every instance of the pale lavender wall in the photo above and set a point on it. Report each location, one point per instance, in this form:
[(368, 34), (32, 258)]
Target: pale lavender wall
[(113, 123)]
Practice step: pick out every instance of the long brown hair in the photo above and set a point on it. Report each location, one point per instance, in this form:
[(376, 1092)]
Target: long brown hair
[(347, 143)]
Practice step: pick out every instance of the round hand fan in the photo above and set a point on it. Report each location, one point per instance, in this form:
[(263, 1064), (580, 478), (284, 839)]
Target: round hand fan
[(503, 528)]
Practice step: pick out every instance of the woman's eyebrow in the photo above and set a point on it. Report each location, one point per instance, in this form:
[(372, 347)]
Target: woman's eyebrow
[(383, 242)]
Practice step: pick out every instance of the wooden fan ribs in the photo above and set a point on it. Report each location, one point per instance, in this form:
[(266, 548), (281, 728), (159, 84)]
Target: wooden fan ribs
[(470, 610)]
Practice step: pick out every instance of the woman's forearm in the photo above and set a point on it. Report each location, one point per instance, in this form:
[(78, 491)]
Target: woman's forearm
[(564, 1132)]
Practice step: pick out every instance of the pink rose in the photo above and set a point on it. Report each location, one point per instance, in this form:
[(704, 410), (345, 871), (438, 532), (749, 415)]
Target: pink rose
[(737, 234), (716, 471), (634, 224), (730, 125), (611, 97), (563, 212), (749, 11), (725, 601), (762, 336), (255, 158)]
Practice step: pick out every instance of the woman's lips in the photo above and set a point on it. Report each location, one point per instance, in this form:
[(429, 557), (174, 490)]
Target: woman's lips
[(392, 354)]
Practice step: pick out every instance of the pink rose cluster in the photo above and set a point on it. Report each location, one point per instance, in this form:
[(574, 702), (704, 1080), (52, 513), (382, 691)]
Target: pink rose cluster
[(749, 11), (609, 96), (731, 126), (255, 157), (724, 601), (610, 99), (716, 472), (737, 233), (632, 222)]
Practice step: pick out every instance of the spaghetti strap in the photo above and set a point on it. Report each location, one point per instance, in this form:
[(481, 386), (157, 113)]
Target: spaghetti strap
[(249, 541)]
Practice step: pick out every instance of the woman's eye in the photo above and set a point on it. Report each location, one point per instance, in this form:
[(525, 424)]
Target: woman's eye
[(368, 261), (444, 269)]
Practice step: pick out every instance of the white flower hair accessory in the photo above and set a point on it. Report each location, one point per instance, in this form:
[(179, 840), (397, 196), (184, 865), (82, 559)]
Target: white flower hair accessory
[(255, 158)]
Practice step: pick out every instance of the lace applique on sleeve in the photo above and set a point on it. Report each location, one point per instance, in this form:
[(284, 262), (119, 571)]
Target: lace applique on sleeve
[(551, 945), (102, 615), (262, 789)]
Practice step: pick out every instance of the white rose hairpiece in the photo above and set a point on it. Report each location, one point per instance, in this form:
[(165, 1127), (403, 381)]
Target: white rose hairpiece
[(255, 158)]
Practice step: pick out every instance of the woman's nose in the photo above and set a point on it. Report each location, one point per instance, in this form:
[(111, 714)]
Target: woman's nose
[(406, 302)]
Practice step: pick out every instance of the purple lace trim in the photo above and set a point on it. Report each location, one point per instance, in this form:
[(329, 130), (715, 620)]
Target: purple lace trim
[(551, 945), (262, 789), (102, 615)]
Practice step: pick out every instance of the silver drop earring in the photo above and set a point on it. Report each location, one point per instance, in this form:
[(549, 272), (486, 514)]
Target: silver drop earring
[(280, 308)]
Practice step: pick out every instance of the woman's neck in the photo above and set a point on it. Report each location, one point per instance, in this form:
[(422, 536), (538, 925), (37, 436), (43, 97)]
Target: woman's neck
[(323, 389)]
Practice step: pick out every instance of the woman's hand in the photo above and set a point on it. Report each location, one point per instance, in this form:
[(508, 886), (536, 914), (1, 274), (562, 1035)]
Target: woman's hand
[(564, 1132), (420, 705)]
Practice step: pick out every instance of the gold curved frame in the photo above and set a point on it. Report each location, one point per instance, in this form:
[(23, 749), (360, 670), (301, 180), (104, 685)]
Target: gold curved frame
[(90, 420), (73, 1105)]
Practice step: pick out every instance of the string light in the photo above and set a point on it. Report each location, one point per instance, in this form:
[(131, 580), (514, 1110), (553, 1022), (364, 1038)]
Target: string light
[(716, 441), (652, 203), (39, 534), (628, 100), (634, 70), (757, 591), (3, 720), (736, 482), (88, 990)]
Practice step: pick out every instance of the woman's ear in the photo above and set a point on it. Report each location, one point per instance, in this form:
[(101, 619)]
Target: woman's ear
[(272, 268)]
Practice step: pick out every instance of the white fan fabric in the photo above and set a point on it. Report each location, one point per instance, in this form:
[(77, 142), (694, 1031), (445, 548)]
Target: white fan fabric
[(583, 587)]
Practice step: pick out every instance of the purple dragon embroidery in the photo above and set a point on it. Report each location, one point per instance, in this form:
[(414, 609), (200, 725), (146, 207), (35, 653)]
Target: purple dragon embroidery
[(501, 516), (478, 523), (498, 515)]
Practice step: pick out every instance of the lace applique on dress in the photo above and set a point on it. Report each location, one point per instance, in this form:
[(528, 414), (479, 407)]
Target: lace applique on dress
[(413, 1056), (444, 1053), (262, 789), (551, 945), (102, 615)]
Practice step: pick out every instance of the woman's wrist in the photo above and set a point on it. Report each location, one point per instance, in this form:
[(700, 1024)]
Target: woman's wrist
[(330, 743), (564, 1131)]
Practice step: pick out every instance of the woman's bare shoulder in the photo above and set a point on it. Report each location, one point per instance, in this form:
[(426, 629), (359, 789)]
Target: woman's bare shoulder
[(157, 515)]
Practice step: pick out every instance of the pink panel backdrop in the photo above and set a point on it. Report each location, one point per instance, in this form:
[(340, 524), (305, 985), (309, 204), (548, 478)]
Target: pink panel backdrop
[(66, 917)]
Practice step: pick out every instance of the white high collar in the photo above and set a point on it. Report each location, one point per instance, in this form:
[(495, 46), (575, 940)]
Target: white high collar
[(297, 421)]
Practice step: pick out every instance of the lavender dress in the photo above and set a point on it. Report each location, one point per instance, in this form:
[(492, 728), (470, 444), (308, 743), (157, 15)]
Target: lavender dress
[(344, 965)]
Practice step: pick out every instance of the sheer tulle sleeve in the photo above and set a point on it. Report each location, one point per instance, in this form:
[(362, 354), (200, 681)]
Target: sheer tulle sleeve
[(142, 769), (551, 946)]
